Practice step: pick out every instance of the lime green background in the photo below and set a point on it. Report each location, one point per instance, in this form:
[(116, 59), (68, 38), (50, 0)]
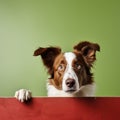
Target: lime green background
[(27, 24)]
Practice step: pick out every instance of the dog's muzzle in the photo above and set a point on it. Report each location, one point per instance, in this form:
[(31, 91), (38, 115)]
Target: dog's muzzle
[(70, 84)]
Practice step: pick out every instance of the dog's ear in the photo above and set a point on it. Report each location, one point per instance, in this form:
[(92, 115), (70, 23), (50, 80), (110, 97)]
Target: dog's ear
[(88, 50), (48, 56)]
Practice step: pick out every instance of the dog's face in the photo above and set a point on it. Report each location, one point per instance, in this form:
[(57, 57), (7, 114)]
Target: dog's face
[(69, 70)]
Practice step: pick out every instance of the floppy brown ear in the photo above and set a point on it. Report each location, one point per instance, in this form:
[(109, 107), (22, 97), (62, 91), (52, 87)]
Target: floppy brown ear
[(48, 56), (88, 50)]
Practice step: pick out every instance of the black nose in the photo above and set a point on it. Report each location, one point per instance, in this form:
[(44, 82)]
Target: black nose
[(70, 83)]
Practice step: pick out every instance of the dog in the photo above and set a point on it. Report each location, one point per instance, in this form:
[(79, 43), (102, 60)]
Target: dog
[(70, 72)]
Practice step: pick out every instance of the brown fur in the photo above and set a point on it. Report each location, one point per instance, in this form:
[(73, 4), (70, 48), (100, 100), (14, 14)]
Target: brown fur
[(55, 62), (48, 56), (84, 74), (88, 51), (58, 73)]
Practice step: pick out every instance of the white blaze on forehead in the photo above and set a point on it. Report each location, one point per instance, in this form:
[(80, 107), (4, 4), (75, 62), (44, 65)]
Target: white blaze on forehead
[(69, 56), (69, 72)]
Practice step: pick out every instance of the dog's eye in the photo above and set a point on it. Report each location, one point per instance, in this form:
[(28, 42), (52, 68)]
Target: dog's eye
[(61, 67), (78, 66)]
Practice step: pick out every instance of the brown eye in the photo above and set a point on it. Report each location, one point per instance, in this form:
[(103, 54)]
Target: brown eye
[(61, 67)]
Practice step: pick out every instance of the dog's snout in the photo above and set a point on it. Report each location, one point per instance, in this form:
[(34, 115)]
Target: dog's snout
[(70, 83)]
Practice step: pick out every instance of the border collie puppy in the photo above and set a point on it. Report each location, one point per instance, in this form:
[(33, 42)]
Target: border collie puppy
[(70, 72)]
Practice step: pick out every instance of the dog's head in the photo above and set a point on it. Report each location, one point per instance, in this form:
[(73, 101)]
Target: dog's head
[(69, 70)]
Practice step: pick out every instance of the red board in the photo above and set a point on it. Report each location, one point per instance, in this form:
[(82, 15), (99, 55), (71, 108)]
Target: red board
[(100, 108)]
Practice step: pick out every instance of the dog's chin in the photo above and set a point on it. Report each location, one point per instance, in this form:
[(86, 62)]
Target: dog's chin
[(70, 91)]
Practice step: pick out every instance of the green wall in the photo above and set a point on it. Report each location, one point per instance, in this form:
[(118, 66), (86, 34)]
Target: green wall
[(27, 24)]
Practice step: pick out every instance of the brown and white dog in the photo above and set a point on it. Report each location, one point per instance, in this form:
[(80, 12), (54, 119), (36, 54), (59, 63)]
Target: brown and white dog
[(70, 72)]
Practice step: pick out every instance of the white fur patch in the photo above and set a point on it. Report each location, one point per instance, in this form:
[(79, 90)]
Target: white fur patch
[(84, 91), (23, 95), (69, 72)]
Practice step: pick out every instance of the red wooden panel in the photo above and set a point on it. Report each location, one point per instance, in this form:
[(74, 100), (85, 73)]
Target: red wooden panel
[(104, 108)]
